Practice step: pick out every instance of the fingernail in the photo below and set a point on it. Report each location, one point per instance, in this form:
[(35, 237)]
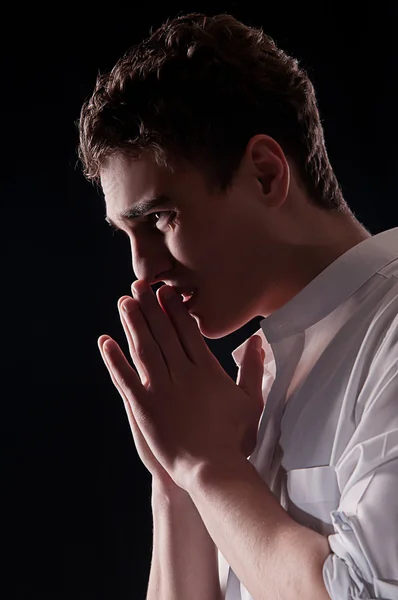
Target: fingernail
[(140, 288), (107, 347), (128, 305)]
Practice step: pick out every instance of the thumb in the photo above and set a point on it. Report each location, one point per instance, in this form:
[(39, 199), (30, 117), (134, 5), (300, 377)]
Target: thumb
[(251, 370)]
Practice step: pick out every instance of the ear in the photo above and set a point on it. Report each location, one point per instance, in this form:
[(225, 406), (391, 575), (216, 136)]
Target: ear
[(271, 168)]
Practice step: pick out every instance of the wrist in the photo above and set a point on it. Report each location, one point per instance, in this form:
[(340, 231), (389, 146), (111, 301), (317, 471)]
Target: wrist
[(206, 472), (167, 492)]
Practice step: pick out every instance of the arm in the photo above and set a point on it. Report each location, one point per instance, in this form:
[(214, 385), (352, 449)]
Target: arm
[(270, 553), (184, 558)]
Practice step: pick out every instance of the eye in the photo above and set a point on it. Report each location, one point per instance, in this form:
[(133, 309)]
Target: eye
[(165, 218)]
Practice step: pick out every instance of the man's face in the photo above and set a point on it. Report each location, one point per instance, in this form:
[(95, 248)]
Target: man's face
[(216, 243)]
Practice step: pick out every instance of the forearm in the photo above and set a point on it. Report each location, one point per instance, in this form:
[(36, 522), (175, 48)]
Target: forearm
[(271, 554), (184, 557)]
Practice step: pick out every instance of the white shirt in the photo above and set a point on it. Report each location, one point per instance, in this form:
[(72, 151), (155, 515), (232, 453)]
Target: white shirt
[(331, 370)]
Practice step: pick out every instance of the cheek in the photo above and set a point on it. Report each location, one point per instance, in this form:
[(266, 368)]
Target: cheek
[(209, 246)]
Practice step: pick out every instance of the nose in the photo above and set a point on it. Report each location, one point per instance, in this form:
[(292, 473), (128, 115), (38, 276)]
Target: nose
[(149, 260)]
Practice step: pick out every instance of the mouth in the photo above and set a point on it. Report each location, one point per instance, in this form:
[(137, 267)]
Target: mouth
[(189, 299), (188, 295)]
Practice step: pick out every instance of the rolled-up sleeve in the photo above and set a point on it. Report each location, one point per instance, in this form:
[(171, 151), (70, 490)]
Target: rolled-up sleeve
[(363, 563)]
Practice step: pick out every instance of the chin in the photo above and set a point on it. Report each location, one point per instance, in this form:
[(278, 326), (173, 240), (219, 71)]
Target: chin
[(216, 330), (207, 332)]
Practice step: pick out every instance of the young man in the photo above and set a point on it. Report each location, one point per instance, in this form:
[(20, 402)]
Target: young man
[(207, 143)]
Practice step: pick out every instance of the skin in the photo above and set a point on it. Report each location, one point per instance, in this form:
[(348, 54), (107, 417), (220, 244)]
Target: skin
[(248, 251)]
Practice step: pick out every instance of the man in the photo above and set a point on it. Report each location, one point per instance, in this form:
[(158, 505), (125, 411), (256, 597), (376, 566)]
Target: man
[(207, 143)]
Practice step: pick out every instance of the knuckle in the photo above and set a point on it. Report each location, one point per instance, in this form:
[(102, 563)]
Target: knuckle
[(123, 383), (141, 352)]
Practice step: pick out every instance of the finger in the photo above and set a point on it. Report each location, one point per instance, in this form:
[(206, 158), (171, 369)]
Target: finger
[(161, 327), (101, 342), (122, 374), (146, 348), (251, 372), (185, 325), (137, 363), (135, 430)]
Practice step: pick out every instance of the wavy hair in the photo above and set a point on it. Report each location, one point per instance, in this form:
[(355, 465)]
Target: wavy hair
[(200, 87)]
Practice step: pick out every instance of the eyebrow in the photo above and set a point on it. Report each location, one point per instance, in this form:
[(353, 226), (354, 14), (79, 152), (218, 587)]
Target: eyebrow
[(139, 210)]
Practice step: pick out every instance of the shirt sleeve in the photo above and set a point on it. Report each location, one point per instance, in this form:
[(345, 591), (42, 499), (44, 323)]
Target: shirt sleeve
[(363, 563)]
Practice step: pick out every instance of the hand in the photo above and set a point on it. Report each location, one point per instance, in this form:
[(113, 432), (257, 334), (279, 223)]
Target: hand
[(185, 406), (159, 474)]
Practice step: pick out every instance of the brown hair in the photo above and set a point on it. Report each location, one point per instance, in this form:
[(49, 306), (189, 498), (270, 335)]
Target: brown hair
[(200, 87)]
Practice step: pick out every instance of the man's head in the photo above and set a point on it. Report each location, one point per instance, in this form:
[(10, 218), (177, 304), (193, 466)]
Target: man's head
[(212, 114)]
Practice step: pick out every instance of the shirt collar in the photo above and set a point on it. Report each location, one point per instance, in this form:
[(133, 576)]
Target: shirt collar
[(329, 289)]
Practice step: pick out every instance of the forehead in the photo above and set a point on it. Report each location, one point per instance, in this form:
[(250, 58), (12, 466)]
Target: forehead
[(126, 181)]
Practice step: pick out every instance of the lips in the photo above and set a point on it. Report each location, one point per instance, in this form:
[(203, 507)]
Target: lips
[(186, 297), (185, 292)]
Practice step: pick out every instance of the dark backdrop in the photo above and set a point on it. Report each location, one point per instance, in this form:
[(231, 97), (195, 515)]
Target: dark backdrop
[(76, 497)]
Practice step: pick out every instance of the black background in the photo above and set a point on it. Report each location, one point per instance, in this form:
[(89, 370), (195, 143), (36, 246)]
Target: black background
[(76, 498)]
